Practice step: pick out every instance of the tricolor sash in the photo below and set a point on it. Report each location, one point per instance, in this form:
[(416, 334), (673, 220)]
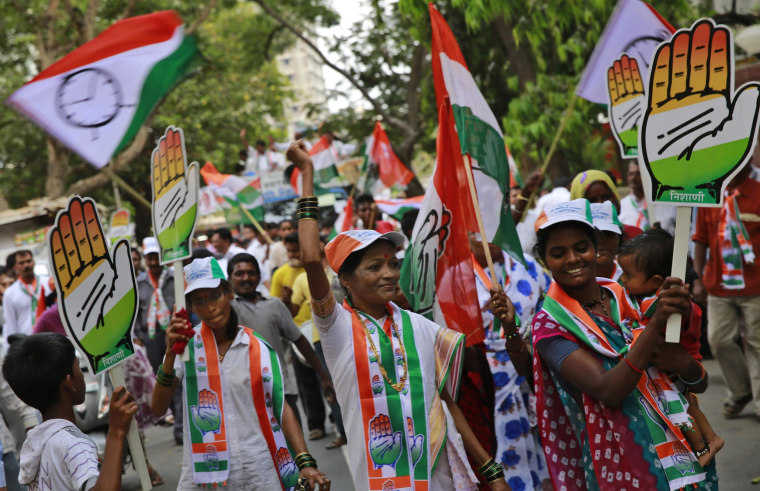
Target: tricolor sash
[(158, 312), (657, 397), (736, 248), (37, 294), (205, 409), (404, 431)]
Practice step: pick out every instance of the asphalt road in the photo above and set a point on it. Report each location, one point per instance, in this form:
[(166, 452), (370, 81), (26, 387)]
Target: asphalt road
[(738, 462)]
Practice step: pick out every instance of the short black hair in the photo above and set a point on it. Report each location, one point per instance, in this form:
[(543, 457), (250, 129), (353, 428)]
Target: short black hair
[(407, 222), (224, 234), (200, 253), (36, 365), (10, 261), (653, 250), (363, 198), (3, 270), (243, 153), (287, 220), (242, 257), (261, 142), (291, 238), (542, 237)]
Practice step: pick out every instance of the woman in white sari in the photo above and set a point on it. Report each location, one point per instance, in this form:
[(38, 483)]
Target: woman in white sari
[(395, 372)]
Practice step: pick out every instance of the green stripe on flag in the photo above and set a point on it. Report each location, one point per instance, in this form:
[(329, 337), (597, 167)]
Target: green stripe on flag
[(326, 174), (159, 81)]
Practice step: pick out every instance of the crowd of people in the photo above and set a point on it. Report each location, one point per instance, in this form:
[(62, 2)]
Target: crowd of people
[(573, 387)]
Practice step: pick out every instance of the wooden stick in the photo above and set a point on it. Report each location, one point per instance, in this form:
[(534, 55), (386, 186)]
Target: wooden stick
[(678, 267), (256, 224), (133, 436), (371, 223), (126, 187), (651, 212), (552, 148), (479, 218)]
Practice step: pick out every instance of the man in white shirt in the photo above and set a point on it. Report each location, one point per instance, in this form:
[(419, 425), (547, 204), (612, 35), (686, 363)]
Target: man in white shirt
[(21, 300), (221, 239)]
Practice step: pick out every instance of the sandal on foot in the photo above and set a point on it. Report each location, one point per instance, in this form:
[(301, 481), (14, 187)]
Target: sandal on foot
[(155, 478), (339, 441), (316, 434), (733, 409)]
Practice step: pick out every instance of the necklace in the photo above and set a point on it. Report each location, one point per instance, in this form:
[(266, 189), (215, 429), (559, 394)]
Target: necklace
[(600, 302), (222, 355), (398, 386)]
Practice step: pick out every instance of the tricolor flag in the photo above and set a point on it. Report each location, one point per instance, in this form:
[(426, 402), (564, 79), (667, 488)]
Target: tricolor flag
[(437, 275), (96, 98), (379, 153), (478, 136), (237, 191), (344, 223), (324, 156), (397, 207), (634, 28)]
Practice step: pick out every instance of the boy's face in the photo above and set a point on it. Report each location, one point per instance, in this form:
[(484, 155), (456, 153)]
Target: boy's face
[(636, 281), (79, 385)]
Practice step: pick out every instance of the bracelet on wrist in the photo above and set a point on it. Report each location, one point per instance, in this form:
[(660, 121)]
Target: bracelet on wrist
[(633, 367), (304, 460), (701, 376)]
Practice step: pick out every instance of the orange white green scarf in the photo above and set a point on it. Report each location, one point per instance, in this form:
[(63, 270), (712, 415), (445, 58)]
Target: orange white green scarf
[(159, 314), (208, 432), (657, 398), (404, 432), (736, 248)]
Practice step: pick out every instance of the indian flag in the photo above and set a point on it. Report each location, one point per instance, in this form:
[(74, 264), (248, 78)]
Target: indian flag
[(243, 192), (397, 207), (380, 154), (95, 99), (478, 135), (437, 275), (344, 223), (324, 156)]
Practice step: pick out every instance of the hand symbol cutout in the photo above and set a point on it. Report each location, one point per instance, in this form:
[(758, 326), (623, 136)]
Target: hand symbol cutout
[(627, 101), (96, 287), (206, 415), (696, 132), (175, 195), (384, 445), (287, 467)]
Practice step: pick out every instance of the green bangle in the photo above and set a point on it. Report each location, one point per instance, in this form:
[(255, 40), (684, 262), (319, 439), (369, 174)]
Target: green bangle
[(483, 468)]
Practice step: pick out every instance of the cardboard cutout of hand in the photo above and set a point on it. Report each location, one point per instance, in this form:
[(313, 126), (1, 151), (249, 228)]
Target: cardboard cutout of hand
[(384, 445), (627, 102), (175, 196), (697, 133), (206, 415), (96, 287)]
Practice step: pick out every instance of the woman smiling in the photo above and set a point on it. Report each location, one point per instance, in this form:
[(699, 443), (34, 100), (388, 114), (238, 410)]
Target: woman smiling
[(394, 371), (608, 417)]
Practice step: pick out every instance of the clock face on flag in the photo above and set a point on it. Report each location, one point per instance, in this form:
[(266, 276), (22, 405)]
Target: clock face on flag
[(89, 98)]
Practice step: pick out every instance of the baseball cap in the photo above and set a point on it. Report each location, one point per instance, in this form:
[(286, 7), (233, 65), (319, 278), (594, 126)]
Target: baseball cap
[(150, 245), (203, 273), (338, 249), (605, 217), (577, 210)]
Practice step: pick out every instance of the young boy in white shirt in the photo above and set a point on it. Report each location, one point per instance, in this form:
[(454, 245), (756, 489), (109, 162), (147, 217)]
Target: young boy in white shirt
[(43, 371)]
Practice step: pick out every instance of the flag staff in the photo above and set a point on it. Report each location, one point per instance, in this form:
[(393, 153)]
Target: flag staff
[(479, 218), (552, 148), (256, 224)]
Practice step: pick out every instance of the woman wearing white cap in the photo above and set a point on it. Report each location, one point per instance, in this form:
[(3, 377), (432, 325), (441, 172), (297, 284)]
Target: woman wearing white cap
[(239, 430), (608, 417), (395, 372)]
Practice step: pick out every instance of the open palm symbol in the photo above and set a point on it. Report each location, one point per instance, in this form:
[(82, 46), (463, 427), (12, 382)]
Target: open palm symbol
[(696, 132), (175, 195), (96, 286), (627, 102)]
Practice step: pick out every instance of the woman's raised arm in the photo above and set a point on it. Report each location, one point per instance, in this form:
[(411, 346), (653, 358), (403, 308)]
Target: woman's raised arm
[(308, 225)]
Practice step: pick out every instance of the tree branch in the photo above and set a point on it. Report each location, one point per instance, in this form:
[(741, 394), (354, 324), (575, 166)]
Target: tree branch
[(83, 186), (206, 12), (89, 19), (128, 10), (401, 125)]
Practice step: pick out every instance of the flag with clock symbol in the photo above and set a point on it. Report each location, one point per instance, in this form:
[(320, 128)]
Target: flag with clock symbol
[(95, 99)]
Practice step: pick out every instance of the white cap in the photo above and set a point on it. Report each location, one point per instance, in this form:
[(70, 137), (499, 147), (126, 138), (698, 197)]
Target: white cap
[(577, 210), (203, 273), (605, 217), (150, 245)]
